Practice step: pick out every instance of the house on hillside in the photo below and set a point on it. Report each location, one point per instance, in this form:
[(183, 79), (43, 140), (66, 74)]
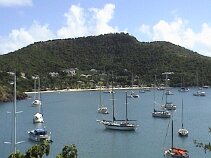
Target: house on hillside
[(70, 71)]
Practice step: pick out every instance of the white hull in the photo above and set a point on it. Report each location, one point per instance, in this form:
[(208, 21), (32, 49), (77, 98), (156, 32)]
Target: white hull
[(36, 102), (38, 118), (161, 114), (119, 126), (38, 136), (169, 106), (199, 93), (183, 132), (102, 110)]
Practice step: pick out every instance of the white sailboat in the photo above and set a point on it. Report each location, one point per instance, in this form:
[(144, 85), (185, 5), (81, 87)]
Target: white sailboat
[(38, 117), (168, 105), (199, 92), (182, 131), (37, 100), (175, 152), (102, 109), (160, 113), (132, 94), (122, 125), (183, 88), (39, 135), (14, 142)]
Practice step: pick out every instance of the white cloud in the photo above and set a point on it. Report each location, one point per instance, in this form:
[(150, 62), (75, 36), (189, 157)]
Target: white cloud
[(19, 38), (179, 33), (81, 22), (9, 3)]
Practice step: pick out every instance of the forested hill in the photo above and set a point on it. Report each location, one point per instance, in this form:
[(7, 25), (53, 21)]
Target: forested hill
[(111, 52)]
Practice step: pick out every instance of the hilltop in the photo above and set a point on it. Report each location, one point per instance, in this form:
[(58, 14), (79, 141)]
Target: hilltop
[(119, 53)]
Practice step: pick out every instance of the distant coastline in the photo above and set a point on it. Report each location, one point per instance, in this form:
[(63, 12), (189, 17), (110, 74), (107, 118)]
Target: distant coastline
[(96, 89)]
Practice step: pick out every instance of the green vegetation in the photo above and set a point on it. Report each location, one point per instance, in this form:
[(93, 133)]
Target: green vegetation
[(119, 53), (39, 150)]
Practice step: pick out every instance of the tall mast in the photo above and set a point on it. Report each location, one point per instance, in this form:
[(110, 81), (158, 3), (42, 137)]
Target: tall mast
[(182, 111), (172, 137), (100, 95), (39, 88), (126, 108), (154, 91), (113, 97), (14, 143)]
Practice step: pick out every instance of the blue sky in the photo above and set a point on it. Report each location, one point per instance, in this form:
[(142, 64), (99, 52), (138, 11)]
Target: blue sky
[(183, 22)]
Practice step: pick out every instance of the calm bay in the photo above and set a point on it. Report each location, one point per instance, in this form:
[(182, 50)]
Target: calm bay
[(71, 118)]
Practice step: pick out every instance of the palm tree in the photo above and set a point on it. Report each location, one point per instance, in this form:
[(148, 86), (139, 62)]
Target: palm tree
[(69, 151)]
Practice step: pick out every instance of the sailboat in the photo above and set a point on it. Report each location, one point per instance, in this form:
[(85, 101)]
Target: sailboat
[(133, 94), (102, 109), (160, 113), (199, 92), (182, 131), (122, 125), (37, 100), (183, 88), (40, 133), (174, 152), (38, 117), (168, 105), (14, 142)]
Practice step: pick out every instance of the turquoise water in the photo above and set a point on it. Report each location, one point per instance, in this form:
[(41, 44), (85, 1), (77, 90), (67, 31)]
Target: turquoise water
[(71, 118)]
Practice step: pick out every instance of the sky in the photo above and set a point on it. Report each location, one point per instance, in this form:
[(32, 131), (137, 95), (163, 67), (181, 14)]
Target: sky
[(182, 22)]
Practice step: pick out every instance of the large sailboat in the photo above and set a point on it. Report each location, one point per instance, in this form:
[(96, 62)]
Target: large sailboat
[(37, 100), (122, 125), (182, 131), (102, 108), (175, 152)]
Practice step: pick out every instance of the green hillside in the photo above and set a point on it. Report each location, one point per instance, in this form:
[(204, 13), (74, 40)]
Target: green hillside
[(121, 53)]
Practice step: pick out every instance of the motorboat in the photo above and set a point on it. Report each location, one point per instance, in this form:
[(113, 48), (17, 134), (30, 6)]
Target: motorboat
[(39, 135), (169, 106), (199, 93), (102, 109), (133, 95), (183, 89), (161, 113)]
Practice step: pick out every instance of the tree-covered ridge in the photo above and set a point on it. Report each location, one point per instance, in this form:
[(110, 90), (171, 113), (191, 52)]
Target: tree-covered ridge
[(121, 53)]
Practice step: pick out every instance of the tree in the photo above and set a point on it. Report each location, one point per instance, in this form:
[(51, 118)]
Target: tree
[(69, 151), (16, 155), (37, 151)]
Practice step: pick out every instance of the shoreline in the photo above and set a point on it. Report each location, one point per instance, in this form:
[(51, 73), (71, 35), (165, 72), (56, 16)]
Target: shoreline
[(96, 89)]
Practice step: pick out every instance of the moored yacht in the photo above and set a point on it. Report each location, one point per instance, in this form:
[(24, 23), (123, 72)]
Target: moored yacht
[(161, 113), (38, 118), (39, 135)]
